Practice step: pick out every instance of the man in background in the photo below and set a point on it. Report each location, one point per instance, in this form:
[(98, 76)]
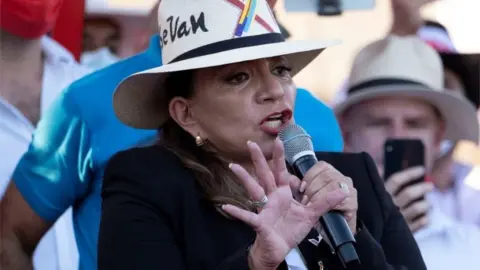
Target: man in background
[(34, 69), (101, 42), (396, 91), (461, 76)]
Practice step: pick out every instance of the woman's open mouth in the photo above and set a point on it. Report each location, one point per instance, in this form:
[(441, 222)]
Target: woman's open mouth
[(273, 123)]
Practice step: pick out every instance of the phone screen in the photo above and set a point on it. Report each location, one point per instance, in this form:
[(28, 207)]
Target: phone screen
[(401, 154)]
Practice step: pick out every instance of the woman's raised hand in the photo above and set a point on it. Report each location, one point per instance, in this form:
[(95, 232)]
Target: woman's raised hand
[(281, 222)]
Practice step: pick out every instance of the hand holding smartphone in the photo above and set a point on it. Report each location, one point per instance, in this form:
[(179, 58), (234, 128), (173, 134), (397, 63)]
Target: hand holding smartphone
[(404, 173)]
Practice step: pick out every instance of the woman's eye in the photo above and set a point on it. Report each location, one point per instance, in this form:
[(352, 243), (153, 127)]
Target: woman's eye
[(282, 71), (237, 78)]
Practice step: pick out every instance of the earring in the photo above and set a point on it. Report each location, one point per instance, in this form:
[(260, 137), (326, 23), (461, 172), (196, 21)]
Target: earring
[(199, 141)]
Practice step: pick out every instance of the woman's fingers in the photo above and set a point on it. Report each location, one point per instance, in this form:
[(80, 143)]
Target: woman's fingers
[(320, 171), (254, 190), (319, 204), (295, 183), (248, 217), (282, 176), (264, 174), (350, 204), (325, 184)]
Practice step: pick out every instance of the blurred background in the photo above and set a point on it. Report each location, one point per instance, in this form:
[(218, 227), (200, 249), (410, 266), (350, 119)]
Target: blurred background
[(43, 53), (355, 28)]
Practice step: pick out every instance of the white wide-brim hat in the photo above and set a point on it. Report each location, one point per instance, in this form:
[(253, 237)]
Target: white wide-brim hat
[(408, 67), (208, 33)]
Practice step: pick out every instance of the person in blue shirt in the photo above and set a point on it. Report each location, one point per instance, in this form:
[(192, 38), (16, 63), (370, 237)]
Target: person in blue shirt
[(64, 164)]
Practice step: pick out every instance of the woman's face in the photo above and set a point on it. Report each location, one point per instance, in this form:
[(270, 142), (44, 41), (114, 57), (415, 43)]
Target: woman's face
[(236, 103)]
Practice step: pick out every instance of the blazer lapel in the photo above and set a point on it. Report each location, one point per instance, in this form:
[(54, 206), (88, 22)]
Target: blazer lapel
[(310, 251)]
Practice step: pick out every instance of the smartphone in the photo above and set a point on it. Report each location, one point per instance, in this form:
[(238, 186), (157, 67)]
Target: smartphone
[(328, 7), (401, 154)]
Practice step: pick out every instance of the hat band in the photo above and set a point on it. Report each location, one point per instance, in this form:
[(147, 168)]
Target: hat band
[(230, 44), (383, 82)]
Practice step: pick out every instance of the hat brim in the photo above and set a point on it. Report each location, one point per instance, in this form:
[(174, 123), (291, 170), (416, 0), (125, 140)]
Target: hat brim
[(467, 67), (137, 101), (458, 113)]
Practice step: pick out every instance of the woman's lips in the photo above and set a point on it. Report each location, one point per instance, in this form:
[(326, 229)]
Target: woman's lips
[(275, 122)]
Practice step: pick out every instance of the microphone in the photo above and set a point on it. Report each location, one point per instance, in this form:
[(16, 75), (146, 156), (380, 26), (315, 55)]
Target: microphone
[(300, 155)]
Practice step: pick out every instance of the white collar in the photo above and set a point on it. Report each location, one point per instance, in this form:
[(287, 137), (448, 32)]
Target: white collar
[(54, 51)]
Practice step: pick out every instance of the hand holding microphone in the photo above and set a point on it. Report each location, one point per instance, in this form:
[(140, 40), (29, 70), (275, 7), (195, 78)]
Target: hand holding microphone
[(284, 218), (334, 227), (322, 178), (281, 222)]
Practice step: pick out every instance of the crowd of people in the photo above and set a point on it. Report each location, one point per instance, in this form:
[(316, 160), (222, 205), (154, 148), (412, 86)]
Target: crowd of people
[(170, 158)]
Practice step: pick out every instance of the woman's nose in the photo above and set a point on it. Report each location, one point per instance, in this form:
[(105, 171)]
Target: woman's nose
[(272, 90)]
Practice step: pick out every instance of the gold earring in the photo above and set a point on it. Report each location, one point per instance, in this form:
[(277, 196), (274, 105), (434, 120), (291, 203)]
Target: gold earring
[(199, 141)]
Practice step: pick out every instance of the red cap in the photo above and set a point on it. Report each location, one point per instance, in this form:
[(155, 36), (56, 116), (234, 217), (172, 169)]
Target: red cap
[(29, 19)]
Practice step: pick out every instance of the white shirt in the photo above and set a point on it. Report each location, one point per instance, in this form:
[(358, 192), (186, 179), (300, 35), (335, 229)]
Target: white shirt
[(461, 203), (446, 244), (451, 240), (57, 249)]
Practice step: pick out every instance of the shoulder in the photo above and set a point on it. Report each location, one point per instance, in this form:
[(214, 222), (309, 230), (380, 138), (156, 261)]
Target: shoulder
[(366, 179), (93, 93), (109, 76), (349, 163), (138, 158), (153, 171), (358, 166)]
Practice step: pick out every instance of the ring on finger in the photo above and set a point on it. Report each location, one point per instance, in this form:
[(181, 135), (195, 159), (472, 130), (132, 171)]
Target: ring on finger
[(261, 203), (343, 186)]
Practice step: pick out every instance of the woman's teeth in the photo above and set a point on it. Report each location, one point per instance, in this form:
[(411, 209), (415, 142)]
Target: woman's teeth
[(273, 123)]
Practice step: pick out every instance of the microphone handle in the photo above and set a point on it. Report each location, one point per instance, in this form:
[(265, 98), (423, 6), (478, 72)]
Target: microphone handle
[(334, 225)]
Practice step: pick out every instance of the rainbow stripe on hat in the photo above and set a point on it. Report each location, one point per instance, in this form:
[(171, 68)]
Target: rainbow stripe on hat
[(246, 18)]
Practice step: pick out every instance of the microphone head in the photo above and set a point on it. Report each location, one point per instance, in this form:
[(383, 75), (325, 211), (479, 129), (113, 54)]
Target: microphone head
[(296, 142)]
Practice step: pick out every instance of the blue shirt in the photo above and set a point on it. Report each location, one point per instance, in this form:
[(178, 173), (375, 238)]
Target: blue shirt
[(64, 164), (319, 121)]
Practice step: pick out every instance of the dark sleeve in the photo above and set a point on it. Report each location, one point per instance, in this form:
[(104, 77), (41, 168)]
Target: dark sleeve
[(135, 229), (398, 249)]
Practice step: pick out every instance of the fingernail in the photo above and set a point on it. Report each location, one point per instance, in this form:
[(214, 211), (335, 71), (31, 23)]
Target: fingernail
[(230, 165), (304, 199), (303, 185), (249, 142)]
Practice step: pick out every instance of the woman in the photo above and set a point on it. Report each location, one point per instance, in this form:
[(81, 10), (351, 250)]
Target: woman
[(215, 192)]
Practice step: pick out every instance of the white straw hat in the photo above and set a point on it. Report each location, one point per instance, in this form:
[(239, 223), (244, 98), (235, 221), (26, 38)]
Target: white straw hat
[(408, 67), (205, 33)]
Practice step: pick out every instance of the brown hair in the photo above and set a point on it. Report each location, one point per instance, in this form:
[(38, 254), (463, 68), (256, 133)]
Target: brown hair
[(210, 169)]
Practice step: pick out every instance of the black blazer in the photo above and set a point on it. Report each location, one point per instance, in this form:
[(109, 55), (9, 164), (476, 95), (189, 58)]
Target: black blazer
[(154, 216)]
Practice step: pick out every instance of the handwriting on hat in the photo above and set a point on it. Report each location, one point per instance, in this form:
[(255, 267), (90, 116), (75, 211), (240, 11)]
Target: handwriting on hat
[(178, 29)]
